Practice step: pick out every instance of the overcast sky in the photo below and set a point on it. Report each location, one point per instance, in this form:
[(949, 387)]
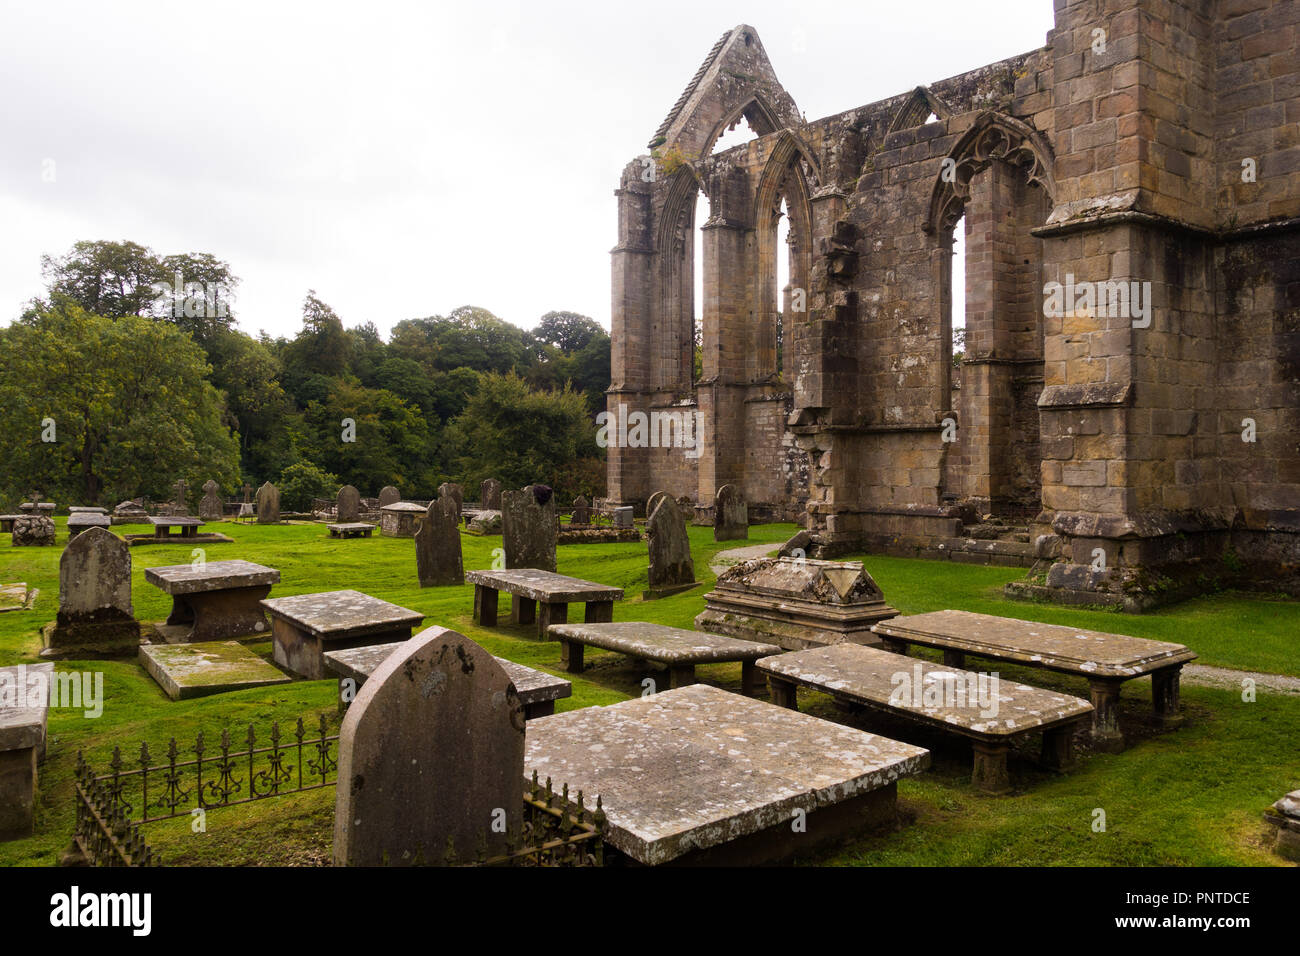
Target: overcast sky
[(401, 158)]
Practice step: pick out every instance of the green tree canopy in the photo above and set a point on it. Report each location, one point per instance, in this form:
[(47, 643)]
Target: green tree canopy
[(126, 401)]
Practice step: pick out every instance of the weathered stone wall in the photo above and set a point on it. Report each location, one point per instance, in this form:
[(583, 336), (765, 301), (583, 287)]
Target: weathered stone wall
[(1149, 142)]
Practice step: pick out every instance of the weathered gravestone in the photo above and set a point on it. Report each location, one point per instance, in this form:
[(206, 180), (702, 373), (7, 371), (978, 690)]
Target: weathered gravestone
[(95, 617), (730, 516), (32, 530), (653, 502), (388, 495), (268, 504), (431, 754), (210, 508), (528, 528), (437, 545), (489, 495), (348, 505), (671, 567), (178, 507), (130, 512), (581, 511), (453, 490)]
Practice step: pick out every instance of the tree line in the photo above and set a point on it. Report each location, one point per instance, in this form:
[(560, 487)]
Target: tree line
[(130, 372)]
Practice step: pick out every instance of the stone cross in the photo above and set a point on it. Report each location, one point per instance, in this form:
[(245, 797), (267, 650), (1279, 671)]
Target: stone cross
[(528, 529), (210, 508), (248, 493), (431, 753)]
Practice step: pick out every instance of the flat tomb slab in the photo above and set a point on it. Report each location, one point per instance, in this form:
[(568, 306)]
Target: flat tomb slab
[(24, 704), (350, 529), (16, 597), (338, 615), (209, 667), (687, 770), (870, 676), (211, 576), (545, 586), (532, 686), (1072, 650), (658, 642)]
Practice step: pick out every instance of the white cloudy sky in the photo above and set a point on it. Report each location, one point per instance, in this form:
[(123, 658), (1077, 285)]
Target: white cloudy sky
[(401, 158)]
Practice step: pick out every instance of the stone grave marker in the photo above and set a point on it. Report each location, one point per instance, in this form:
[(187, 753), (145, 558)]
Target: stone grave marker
[(730, 515), (653, 502), (31, 530), (528, 528), (268, 504), (437, 545), (95, 616), (348, 507), (210, 508), (430, 752), (388, 495), (485, 522), (489, 495), (453, 490), (581, 510), (671, 567)]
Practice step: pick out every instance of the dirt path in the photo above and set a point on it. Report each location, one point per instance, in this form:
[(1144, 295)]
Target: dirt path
[(725, 559)]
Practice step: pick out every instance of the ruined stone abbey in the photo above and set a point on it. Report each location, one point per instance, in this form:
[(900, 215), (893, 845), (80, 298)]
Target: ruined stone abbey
[(1129, 396)]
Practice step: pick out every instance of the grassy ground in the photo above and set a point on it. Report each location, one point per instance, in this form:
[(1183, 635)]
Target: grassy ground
[(1190, 797)]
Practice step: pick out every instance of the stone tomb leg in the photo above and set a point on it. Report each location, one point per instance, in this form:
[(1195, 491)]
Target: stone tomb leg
[(1058, 748), (1106, 735), (785, 693), (522, 610), (1165, 696), (991, 774), (554, 612), (571, 655), (599, 612), (485, 605), (681, 675)]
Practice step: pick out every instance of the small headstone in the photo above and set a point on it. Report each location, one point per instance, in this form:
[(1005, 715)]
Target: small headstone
[(348, 509), (430, 752), (528, 528), (451, 489), (623, 517), (180, 507), (730, 515), (210, 508), (671, 566), (268, 504), (95, 616), (31, 530), (388, 495), (437, 545), (581, 510), (489, 495)]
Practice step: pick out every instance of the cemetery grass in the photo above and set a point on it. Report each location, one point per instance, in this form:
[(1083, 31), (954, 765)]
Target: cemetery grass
[(1189, 797)]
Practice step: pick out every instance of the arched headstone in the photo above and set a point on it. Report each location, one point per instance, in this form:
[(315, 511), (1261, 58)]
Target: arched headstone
[(671, 567), (730, 515), (348, 505), (388, 495), (432, 749), (95, 617), (268, 504)]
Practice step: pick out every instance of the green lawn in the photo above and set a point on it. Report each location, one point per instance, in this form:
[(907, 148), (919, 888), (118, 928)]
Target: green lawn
[(1190, 797)]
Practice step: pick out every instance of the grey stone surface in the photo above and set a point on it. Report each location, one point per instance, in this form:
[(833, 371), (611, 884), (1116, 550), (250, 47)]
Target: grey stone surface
[(268, 504), (213, 600), (184, 671), (211, 508), (659, 642), (671, 567), (438, 560), (623, 516), (95, 614), (1289, 805), (528, 528), (689, 769), (489, 495), (24, 692), (532, 686), (80, 521), (544, 586), (87, 509), (730, 515), (347, 506), (1053, 646), (430, 751), (398, 519), (129, 512), (388, 495), (873, 677), (176, 579), (795, 602), (339, 615), (485, 522)]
